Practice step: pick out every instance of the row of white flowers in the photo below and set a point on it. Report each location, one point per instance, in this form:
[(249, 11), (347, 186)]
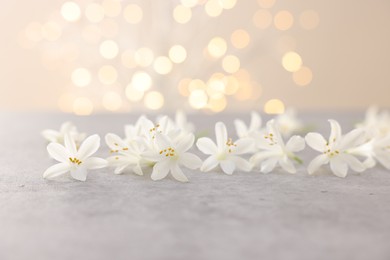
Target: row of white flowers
[(163, 147)]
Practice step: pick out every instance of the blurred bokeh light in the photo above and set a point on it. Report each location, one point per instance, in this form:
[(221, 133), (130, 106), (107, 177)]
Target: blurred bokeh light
[(207, 55)]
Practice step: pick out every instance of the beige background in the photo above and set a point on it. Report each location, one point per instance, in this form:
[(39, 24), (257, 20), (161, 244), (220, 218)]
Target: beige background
[(348, 54)]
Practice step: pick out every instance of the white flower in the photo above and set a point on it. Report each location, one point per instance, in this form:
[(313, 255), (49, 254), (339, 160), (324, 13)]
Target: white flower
[(251, 131), (132, 132), (288, 123), (127, 155), (273, 151), (55, 136), (225, 152), (381, 149), (164, 126), (376, 124), (182, 123), (335, 151), (376, 149), (73, 160), (170, 155)]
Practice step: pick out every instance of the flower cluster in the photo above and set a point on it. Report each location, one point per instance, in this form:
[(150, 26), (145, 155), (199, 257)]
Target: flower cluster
[(164, 147)]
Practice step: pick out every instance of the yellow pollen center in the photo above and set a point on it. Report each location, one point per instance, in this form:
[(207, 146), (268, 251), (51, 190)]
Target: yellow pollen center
[(117, 150), (271, 139), (154, 130), (75, 160), (169, 152), (330, 152), (230, 144)]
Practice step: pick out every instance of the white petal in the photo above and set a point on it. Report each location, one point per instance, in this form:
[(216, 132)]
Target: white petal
[(221, 134), (255, 122), (95, 163), (67, 127), (228, 167), (352, 139), (50, 135), (295, 144), (138, 170), (120, 159), (70, 144), (335, 131), (209, 164), (89, 147), (120, 169), (268, 165), (287, 165), (316, 141), (339, 167), (371, 163), (163, 141), (79, 173), (185, 143), (114, 142), (206, 145), (261, 156), (190, 160), (241, 128), (273, 128), (58, 152), (160, 170), (316, 163), (180, 117), (145, 124), (243, 146), (151, 156), (353, 162), (166, 124), (56, 170), (241, 163), (178, 174)]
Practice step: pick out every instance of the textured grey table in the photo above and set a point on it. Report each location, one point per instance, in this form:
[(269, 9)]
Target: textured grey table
[(215, 216)]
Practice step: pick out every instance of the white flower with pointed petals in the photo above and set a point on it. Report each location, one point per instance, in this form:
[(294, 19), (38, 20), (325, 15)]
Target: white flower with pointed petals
[(273, 150), (251, 131), (182, 123), (335, 151), (381, 150), (374, 150), (73, 160), (288, 123), (133, 132), (170, 155), (225, 152), (126, 155), (69, 128), (376, 123)]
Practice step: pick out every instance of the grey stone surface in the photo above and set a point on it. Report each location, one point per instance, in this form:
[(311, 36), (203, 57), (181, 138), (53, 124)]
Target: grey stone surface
[(215, 216)]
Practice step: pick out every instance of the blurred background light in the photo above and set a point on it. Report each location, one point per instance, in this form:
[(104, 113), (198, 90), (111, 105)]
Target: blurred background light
[(109, 49), (133, 14), (207, 55), (283, 20), (292, 61), (70, 11), (94, 12), (108, 75), (274, 106), (82, 106), (217, 47), (154, 100), (182, 14), (81, 77)]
